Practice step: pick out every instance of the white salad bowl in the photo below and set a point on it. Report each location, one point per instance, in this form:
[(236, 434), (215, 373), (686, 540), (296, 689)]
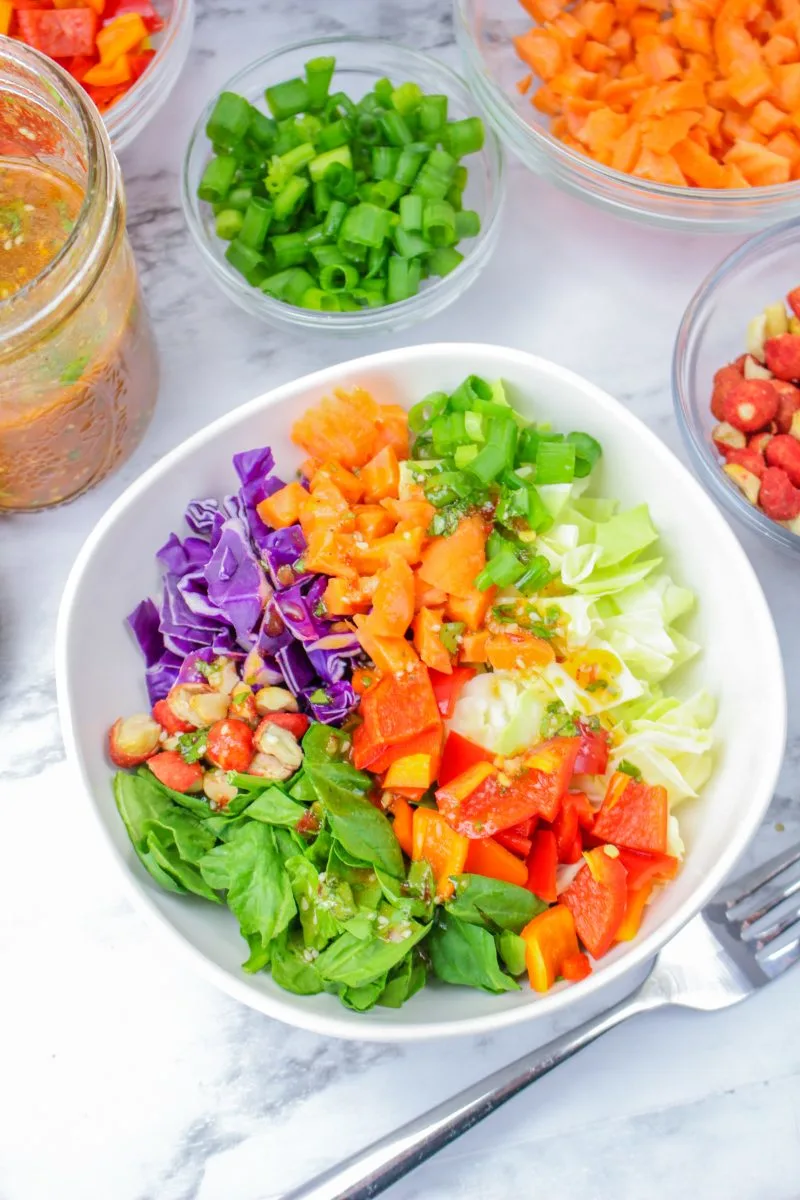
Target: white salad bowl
[(101, 675)]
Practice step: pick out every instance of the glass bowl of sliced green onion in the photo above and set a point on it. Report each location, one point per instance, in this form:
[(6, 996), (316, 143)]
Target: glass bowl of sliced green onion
[(343, 185)]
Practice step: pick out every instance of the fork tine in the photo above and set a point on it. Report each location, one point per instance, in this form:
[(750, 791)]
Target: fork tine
[(773, 931), (778, 898), (776, 961), (739, 889)]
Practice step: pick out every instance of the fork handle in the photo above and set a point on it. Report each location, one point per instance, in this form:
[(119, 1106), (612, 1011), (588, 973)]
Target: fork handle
[(370, 1171)]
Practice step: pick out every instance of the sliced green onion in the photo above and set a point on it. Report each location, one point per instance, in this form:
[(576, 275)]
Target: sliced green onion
[(464, 455), (340, 180), (338, 277), (320, 301), (217, 179), (527, 446), (262, 129), (406, 98), (410, 245), (248, 262), (239, 197), (468, 224), (435, 176), (465, 137), (502, 570), (444, 260), (385, 193), (365, 225), (450, 633), (448, 431), (432, 113), (411, 207), (473, 422), (403, 279), (297, 285), (470, 391), (319, 73), (536, 576), (256, 223), (229, 120), (338, 133), (409, 163), (368, 297), (321, 198), (290, 197), (384, 161), (383, 92), (333, 219), (318, 167), (228, 224), (290, 249), (339, 105), (426, 410), (587, 451), (555, 462), (308, 128), (395, 129), (439, 223), (287, 99)]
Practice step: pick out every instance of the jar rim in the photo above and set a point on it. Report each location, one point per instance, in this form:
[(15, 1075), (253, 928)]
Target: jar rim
[(100, 189)]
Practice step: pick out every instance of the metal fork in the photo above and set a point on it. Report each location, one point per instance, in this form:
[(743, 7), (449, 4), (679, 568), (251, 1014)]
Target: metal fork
[(741, 940)]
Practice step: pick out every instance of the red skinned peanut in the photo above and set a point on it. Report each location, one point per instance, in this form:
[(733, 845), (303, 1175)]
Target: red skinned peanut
[(784, 451), (783, 355), (751, 405), (778, 497), (725, 380)]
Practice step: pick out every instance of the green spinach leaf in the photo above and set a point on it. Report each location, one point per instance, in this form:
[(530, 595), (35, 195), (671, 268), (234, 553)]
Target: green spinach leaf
[(259, 956), (275, 808), (250, 867), (293, 966), (197, 804), (403, 981), (170, 862), (315, 901), (413, 896), (354, 962), (364, 831), (466, 954), (493, 903), (362, 998)]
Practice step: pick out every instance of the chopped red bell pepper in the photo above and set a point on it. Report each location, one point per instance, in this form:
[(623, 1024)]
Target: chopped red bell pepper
[(460, 753), (400, 707), (642, 868), (542, 866), (633, 815), (597, 899), (576, 814), (593, 751), (59, 33), (576, 967), (140, 62), (447, 688), (501, 801), (121, 8), (517, 843)]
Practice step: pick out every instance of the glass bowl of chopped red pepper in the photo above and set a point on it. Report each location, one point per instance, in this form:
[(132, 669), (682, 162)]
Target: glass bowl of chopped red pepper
[(126, 54), (343, 185), (736, 384)]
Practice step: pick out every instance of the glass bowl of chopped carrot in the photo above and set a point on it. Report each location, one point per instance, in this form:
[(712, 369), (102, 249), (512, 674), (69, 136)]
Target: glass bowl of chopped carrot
[(126, 54), (680, 115), (343, 185), (731, 350)]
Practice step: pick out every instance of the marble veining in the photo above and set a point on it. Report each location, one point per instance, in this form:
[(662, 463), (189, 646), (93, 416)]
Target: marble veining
[(124, 1077)]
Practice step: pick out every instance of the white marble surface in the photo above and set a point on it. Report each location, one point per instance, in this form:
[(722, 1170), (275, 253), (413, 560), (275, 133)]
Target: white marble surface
[(122, 1076)]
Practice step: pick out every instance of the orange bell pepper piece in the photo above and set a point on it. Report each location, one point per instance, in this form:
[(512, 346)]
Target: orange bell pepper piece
[(456, 790), (119, 36), (411, 771), (440, 846), (109, 72), (6, 13), (282, 508), (634, 911), (487, 857), (550, 939)]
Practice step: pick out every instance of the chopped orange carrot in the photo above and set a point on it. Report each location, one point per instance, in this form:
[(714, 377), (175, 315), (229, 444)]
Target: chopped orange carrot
[(373, 521), (665, 133), (472, 607), (419, 512), (393, 602), (451, 563), (750, 85), (780, 49), (541, 51), (768, 119), (473, 647), (597, 17), (345, 597), (660, 168), (374, 556), (698, 166), (282, 508), (543, 10), (515, 651), (390, 655), (428, 643), (523, 84), (380, 477), (760, 166), (627, 150), (426, 596), (348, 484)]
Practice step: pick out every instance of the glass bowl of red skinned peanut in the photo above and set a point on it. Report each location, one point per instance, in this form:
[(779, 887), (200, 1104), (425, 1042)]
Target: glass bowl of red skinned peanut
[(736, 384)]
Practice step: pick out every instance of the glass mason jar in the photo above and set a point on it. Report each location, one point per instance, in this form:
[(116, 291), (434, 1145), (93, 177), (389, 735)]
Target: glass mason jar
[(78, 367)]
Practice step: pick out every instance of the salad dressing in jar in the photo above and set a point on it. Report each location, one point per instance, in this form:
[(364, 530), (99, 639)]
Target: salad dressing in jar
[(78, 369)]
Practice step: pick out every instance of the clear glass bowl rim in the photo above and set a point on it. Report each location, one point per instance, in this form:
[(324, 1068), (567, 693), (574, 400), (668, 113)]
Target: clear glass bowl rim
[(435, 296), (706, 464)]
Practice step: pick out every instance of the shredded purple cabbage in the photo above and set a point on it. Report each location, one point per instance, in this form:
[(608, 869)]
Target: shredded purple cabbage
[(232, 587)]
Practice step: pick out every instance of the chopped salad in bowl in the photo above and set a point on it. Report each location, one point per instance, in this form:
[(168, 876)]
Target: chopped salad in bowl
[(411, 715)]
